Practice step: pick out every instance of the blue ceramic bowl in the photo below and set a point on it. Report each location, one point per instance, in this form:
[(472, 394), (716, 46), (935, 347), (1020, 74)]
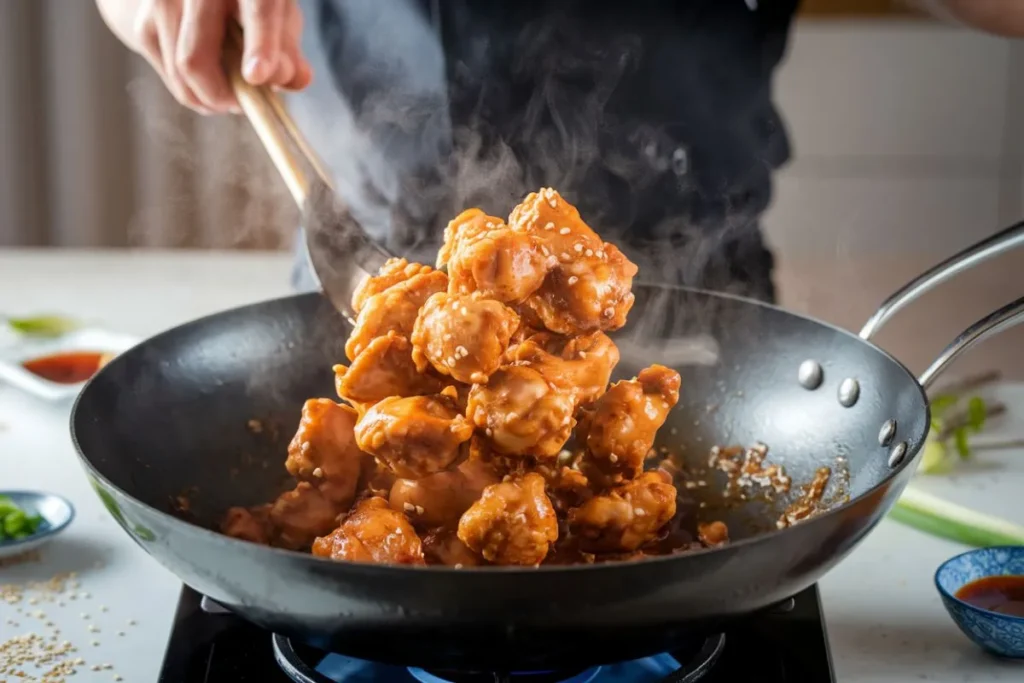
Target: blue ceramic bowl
[(1000, 634), (56, 512)]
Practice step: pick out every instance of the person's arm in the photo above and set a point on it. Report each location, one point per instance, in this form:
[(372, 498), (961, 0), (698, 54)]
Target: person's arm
[(183, 39), (999, 17)]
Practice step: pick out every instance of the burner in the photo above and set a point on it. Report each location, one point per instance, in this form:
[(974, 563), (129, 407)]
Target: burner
[(307, 665), (788, 644)]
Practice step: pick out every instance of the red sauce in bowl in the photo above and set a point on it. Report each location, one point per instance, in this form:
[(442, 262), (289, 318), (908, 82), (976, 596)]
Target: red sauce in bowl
[(1003, 594), (70, 367)]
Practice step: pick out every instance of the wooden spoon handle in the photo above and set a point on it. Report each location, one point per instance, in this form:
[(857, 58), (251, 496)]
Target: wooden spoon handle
[(274, 126)]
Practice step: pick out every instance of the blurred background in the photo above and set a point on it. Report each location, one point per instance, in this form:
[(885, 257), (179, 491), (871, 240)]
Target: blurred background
[(907, 133)]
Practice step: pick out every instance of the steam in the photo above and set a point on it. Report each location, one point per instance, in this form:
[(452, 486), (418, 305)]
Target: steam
[(418, 121), (202, 181)]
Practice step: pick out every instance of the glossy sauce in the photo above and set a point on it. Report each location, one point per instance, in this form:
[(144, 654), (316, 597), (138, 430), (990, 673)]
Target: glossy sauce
[(1003, 594), (66, 368)]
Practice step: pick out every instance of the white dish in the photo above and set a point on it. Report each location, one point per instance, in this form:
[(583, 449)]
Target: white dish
[(14, 373)]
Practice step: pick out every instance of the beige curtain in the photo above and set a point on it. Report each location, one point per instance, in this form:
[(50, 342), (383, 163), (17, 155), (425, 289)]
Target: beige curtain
[(94, 152)]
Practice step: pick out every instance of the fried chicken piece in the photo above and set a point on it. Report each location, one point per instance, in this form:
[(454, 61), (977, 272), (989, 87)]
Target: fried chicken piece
[(248, 524), (394, 271), (415, 435), (384, 368), (372, 532), (465, 227), (620, 429), (588, 286), (443, 546), (395, 309), (462, 336), (439, 499), (580, 364), (512, 523), (484, 255), (713, 533), (300, 515), (521, 412), (626, 517), (586, 293), (324, 450)]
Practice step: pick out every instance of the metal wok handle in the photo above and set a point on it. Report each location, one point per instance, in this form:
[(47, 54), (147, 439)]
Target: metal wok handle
[(994, 245), (989, 326)]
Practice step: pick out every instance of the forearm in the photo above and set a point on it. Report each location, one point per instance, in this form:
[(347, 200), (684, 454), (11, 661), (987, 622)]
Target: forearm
[(1000, 17), (119, 16)]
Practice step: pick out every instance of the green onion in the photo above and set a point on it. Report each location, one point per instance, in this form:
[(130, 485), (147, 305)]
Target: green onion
[(931, 514), (42, 326), (15, 523)]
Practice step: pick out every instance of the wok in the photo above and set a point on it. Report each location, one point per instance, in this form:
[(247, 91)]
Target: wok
[(163, 433)]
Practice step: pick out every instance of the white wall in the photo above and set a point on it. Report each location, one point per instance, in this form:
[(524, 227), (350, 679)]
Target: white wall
[(908, 140)]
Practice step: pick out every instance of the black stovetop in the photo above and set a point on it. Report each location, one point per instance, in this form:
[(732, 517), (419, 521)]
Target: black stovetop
[(785, 645)]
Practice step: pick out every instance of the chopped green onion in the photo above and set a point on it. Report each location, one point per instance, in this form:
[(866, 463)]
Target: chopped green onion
[(42, 326), (15, 523), (931, 514), (977, 412)]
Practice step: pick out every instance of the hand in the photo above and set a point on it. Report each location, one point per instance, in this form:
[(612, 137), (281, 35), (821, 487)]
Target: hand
[(183, 39)]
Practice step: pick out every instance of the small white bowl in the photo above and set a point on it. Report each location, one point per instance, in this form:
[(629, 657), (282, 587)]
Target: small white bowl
[(56, 512), (14, 373)]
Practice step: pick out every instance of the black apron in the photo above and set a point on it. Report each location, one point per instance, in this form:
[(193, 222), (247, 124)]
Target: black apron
[(654, 118)]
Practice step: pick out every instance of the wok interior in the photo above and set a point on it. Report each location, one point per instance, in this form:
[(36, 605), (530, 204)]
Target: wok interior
[(198, 419)]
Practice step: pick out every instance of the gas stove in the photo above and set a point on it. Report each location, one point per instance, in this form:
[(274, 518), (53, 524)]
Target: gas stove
[(787, 644)]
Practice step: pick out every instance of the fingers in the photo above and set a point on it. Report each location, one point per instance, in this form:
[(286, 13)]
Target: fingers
[(183, 40), (168, 24), (291, 46), (263, 24), (197, 55)]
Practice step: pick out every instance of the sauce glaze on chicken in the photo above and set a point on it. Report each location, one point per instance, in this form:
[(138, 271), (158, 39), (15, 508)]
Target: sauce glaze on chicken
[(465, 383)]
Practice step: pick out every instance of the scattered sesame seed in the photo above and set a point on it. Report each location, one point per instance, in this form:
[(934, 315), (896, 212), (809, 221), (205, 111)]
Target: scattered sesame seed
[(408, 507), (613, 458), (318, 473), (639, 512), (550, 226), (588, 252), (577, 248), (564, 231), (419, 509), (573, 279)]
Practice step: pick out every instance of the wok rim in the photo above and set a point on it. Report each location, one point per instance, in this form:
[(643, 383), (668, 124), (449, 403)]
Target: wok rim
[(499, 570)]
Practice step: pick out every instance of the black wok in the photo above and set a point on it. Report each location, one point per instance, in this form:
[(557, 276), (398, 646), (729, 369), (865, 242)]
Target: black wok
[(170, 419)]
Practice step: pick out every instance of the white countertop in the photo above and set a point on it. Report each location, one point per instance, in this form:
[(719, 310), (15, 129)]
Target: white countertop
[(884, 618)]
